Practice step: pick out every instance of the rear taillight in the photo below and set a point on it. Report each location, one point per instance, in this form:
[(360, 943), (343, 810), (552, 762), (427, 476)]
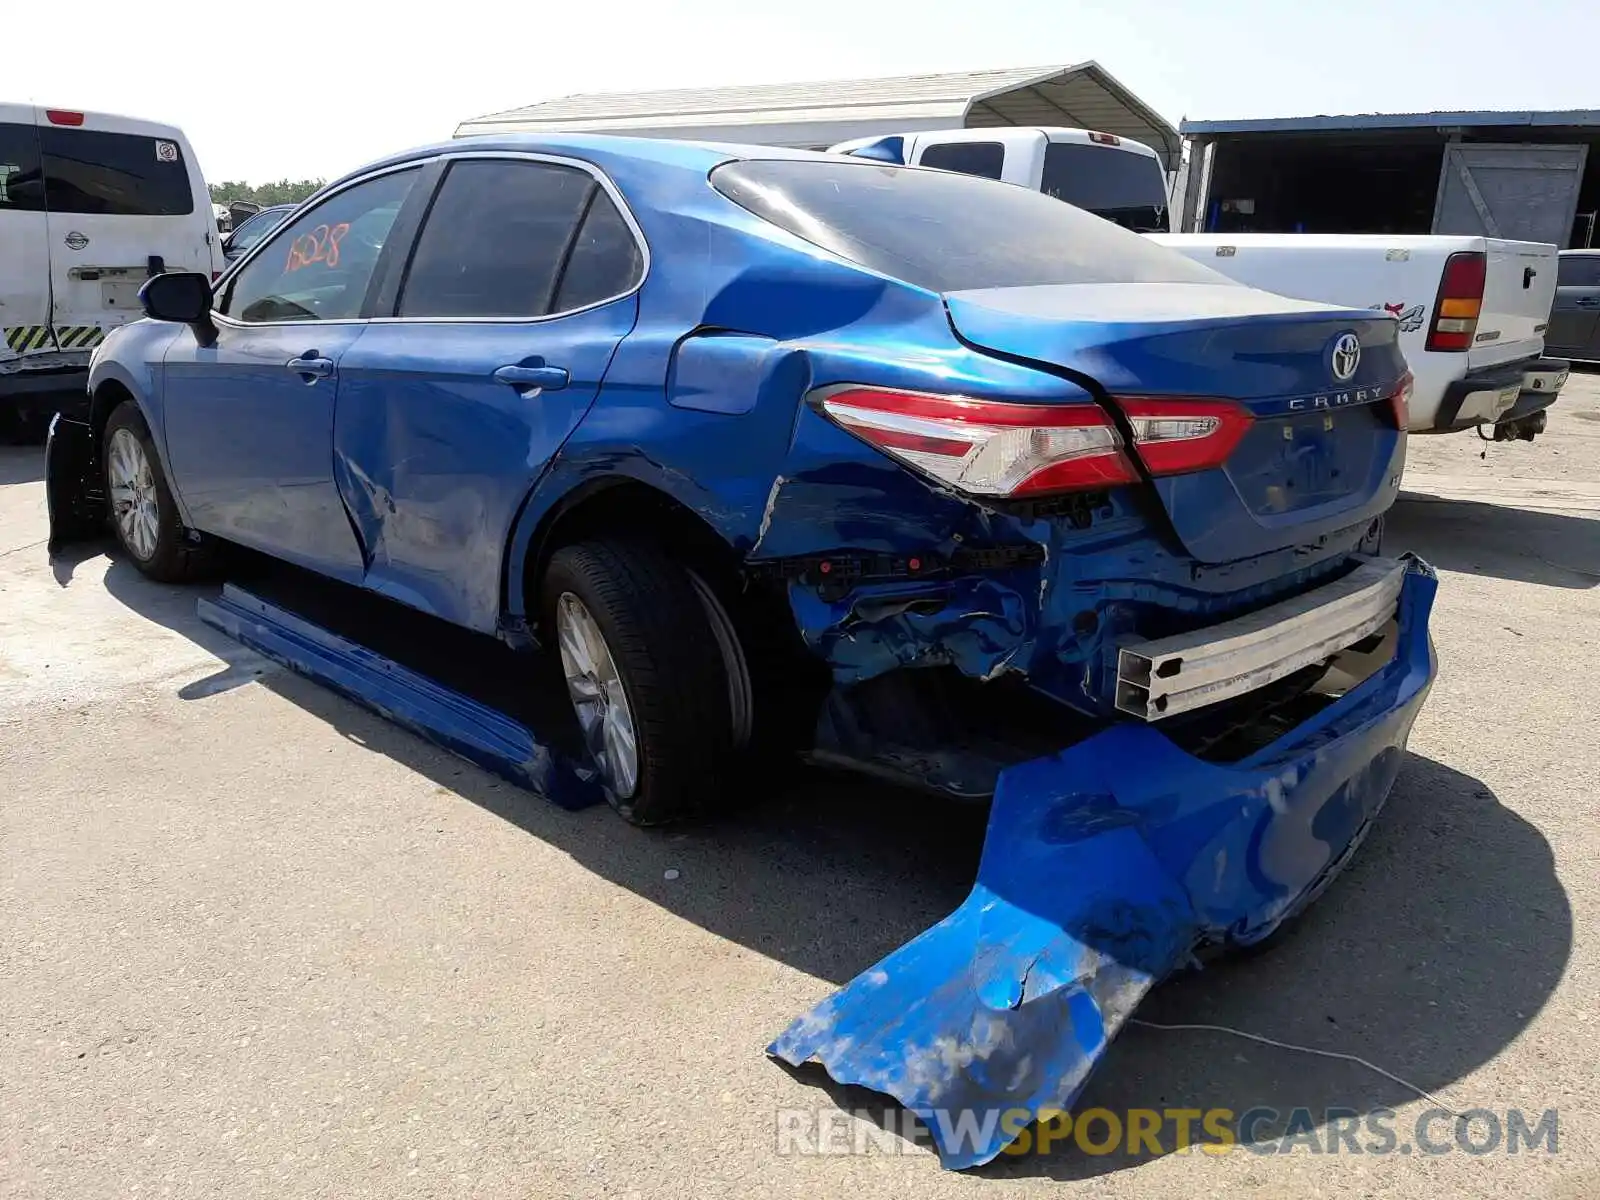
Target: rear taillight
[(987, 447), (1104, 139), (62, 116), (1173, 436), (1400, 402), (1460, 300)]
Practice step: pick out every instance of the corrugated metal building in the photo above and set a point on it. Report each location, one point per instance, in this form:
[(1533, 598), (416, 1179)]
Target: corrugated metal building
[(1523, 175), (818, 115)]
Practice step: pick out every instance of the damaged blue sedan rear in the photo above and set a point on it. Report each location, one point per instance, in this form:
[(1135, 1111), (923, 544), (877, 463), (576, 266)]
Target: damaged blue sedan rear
[(899, 470)]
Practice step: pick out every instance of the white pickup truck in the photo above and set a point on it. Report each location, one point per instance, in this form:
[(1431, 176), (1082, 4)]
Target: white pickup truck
[(1472, 311)]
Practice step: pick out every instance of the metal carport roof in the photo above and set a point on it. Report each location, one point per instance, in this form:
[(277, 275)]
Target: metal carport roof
[(1360, 122), (818, 114)]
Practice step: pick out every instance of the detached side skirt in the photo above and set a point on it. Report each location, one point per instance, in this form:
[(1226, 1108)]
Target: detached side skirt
[(475, 732)]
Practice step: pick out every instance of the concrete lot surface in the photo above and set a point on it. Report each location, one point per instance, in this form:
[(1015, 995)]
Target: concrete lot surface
[(256, 942)]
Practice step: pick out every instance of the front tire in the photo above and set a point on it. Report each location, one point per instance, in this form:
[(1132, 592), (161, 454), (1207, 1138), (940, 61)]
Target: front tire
[(143, 512), (645, 674)]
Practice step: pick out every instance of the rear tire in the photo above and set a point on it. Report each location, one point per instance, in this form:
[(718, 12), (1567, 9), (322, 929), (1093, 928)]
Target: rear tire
[(143, 514), (657, 671)]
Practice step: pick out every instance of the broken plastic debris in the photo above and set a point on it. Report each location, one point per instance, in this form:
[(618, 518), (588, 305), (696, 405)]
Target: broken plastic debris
[(1103, 868)]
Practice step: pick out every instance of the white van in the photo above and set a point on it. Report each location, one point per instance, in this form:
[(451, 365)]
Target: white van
[(90, 207)]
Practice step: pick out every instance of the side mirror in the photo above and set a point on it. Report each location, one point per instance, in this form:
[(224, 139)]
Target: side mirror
[(181, 296)]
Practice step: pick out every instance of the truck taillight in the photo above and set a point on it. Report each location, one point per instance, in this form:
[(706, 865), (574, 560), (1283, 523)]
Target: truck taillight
[(1400, 402), (62, 116), (1175, 435), (1460, 300), (986, 447), (1104, 139)]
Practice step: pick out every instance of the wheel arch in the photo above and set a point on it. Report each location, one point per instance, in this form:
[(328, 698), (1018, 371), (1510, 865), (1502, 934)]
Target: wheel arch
[(110, 390), (606, 506), (109, 394)]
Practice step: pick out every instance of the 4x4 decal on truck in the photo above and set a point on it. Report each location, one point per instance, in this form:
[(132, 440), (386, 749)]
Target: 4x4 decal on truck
[(1410, 317)]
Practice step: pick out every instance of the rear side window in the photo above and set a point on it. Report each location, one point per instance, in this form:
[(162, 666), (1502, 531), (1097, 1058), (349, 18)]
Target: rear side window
[(21, 184), (114, 174), (495, 239), (1119, 185), (985, 159), (605, 259), (1578, 271), (946, 232)]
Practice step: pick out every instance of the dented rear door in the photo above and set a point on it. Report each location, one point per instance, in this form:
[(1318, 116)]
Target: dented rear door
[(519, 290)]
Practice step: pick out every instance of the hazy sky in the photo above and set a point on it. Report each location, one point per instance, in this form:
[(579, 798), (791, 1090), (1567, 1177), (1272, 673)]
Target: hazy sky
[(297, 89)]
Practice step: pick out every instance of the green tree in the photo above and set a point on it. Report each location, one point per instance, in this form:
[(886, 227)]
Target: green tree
[(285, 191)]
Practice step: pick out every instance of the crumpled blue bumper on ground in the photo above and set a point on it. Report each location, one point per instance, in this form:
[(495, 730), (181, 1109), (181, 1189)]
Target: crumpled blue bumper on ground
[(1104, 867)]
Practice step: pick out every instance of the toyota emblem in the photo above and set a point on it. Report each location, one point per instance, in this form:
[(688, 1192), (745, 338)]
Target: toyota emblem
[(1346, 356)]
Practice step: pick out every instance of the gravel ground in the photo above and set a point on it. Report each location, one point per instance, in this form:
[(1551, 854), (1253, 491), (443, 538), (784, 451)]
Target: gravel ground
[(256, 942)]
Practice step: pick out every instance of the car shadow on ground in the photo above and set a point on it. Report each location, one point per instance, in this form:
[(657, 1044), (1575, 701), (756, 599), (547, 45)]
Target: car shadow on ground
[(1428, 957), (21, 464), (1524, 545)]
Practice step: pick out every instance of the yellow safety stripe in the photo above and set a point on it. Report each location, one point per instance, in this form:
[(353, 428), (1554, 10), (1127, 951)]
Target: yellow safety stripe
[(24, 339), (78, 337)]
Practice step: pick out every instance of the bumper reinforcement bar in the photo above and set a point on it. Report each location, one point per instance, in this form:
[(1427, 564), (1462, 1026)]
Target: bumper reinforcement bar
[(1173, 675)]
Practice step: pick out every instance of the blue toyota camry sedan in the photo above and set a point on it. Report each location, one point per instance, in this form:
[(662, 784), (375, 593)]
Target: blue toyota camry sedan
[(898, 469)]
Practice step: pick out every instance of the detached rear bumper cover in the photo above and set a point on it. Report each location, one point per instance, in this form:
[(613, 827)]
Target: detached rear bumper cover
[(1105, 866)]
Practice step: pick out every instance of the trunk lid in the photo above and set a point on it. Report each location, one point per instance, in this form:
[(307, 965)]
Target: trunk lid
[(1322, 453), (1519, 288)]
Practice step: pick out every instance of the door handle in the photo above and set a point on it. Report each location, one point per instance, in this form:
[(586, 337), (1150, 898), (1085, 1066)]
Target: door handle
[(1588, 302), (311, 366), (543, 378)]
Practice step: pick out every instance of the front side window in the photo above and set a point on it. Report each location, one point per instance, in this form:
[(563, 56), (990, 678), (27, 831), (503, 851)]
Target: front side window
[(256, 228), (1578, 271), (21, 182), (987, 160), (114, 174), (496, 239), (318, 267)]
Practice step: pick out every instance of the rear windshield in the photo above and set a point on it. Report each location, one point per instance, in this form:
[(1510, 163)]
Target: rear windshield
[(947, 232), (114, 174), (1118, 185)]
